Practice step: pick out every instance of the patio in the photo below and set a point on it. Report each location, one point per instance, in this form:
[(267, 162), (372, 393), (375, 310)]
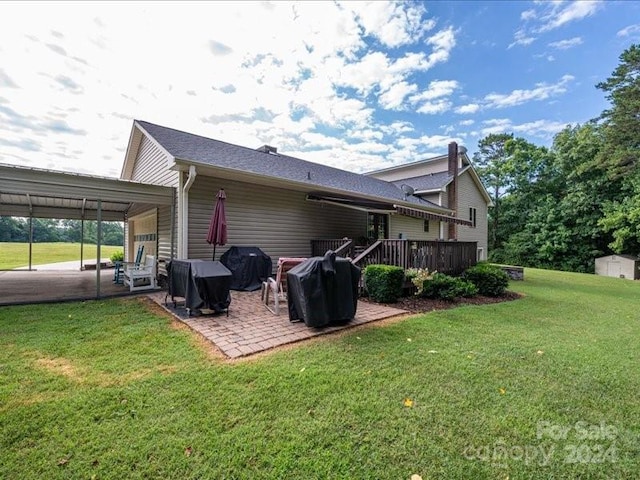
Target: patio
[(250, 328)]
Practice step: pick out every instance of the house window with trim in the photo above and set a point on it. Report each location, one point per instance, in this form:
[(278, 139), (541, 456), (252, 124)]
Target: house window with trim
[(425, 227), (473, 213)]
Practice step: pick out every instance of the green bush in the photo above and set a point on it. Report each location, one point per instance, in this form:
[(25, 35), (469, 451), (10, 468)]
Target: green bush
[(491, 280), (117, 256), (446, 287), (384, 282)]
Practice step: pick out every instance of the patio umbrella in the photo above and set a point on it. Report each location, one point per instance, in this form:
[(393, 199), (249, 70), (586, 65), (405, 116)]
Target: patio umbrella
[(217, 234)]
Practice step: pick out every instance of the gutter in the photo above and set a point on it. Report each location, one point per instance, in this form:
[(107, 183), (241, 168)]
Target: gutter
[(183, 207)]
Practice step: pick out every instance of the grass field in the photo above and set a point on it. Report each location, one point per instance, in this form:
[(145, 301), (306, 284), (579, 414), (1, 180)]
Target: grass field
[(542, 387), (15, 255)]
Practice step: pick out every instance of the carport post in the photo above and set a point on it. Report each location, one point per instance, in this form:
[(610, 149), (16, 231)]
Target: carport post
[(81, 241), (30, 238), (99, 235)]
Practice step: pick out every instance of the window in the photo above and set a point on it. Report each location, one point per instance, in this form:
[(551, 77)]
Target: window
[(472, 216), (426, 225)]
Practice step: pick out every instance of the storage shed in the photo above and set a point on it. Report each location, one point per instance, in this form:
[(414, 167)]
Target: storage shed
[(619, 266)]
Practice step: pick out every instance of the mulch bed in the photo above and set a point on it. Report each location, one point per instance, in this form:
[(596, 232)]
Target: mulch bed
[(415, 304)]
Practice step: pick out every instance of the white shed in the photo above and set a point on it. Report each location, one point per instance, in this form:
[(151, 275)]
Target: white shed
[(619, 266)]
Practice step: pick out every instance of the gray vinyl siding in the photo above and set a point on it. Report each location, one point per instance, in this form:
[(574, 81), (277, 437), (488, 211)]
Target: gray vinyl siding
[(408, 171), (470, 196), (151, 166), (412, 228), (281, 222), (439, 198), (164, 238)]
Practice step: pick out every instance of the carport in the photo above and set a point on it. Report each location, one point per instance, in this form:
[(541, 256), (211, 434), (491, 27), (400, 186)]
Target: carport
[(39, 193)]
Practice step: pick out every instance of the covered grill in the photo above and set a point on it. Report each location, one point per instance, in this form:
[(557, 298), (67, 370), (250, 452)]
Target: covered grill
[(249, 267), (323, 290)]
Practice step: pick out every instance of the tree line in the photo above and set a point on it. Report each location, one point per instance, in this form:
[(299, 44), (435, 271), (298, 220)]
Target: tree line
[(561, 207), (16, 229)]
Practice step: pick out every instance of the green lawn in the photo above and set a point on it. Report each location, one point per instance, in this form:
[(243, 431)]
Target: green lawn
[(542, 387), (14, 255)]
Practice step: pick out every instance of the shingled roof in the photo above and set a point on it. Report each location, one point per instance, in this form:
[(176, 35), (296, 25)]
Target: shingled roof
[(432, 181), (201, 150)]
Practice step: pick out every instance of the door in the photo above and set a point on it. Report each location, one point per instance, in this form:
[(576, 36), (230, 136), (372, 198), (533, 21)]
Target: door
[(143, 232), (377, 226), (613, 269)]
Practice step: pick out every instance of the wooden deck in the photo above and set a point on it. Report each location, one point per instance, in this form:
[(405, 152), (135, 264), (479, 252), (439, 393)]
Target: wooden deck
[(451, 258)]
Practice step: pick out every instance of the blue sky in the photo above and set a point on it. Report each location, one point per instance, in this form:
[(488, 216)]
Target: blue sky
[(356, 85)]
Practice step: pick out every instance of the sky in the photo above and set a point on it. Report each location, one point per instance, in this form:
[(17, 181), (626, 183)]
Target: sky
[(355, 85)]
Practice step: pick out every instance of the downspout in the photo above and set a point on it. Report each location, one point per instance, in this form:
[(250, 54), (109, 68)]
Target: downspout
[(184, 213), (452, 191)]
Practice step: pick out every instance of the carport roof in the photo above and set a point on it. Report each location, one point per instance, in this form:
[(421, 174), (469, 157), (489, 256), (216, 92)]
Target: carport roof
[(44, 193)]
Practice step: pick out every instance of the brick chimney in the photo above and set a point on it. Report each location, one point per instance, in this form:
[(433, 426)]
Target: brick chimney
[(452, 190)]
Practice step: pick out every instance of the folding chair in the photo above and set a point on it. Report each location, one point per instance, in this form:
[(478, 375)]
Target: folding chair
[(277, 288)]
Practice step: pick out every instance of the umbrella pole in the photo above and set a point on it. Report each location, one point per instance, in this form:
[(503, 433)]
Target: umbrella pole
[(214, 253)]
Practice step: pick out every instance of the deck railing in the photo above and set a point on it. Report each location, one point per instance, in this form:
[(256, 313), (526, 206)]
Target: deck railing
[(342, 246), (452, 258)]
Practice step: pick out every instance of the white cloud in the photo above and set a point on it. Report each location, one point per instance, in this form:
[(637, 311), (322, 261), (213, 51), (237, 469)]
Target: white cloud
[(468, 108), (397, 128), (434, 107), (436, 89), (6, 81), (393, 98), (542, 91), (430, 101), (442, 42), (566, 44), (630, 31), (522, 38), (540, 128), (393, 24), (466, 123), (537, 128), (561, 15), (546, 16)]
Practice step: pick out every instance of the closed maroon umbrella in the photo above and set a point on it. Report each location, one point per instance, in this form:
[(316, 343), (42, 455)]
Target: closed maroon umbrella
[(217, 234)]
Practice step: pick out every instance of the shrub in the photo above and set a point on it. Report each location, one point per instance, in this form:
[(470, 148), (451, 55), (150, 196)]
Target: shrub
[(384, 282), (117, 256), (446, 287), (418, 276), (490, 279)]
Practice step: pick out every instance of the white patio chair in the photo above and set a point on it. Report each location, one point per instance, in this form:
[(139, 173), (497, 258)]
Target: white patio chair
[(136, 276)]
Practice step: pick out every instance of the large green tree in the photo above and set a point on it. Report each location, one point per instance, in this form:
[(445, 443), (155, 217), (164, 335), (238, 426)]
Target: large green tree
[(513, 170), (621, 153)]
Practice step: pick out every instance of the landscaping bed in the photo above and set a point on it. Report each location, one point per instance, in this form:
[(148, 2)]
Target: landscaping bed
[(415, 304)]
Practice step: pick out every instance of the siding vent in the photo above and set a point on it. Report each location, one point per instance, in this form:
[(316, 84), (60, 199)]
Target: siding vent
[(268, 149)]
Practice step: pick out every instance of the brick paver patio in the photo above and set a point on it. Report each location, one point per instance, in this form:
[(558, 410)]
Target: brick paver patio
[(251, 328)]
